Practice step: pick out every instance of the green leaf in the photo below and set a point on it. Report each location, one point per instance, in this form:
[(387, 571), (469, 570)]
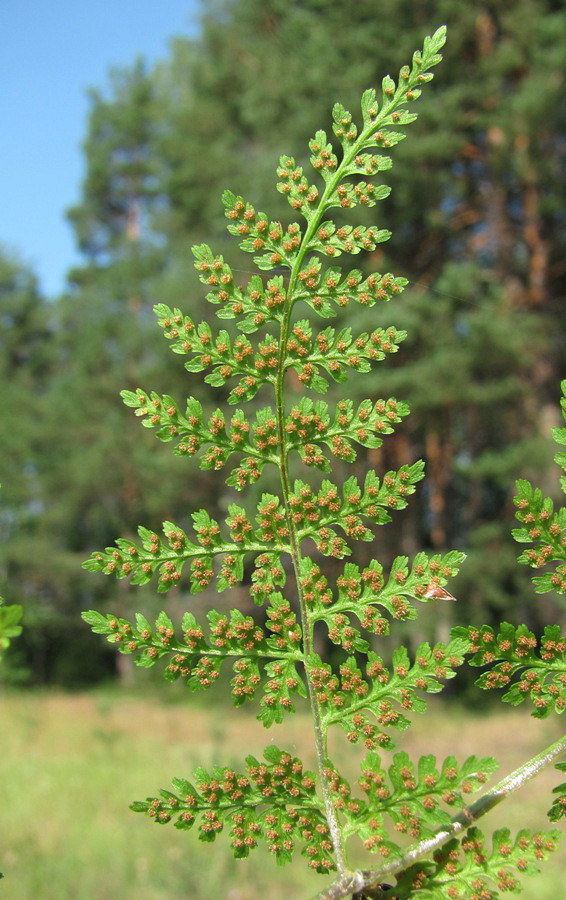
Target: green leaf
[(96, 620), (284, 681), (198, 658), (10, 617)]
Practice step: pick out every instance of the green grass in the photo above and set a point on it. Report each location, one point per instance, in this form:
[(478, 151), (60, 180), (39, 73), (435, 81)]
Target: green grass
[(70, 764)]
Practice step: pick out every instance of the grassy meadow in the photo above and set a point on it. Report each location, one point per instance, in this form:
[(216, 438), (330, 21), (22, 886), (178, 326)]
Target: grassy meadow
[(70, 764)]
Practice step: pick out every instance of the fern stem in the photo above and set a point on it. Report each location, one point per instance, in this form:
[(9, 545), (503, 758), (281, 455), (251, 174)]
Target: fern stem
[(307, 628)]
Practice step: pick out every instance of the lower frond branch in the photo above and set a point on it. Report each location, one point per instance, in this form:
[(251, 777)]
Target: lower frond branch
[(369, 883)]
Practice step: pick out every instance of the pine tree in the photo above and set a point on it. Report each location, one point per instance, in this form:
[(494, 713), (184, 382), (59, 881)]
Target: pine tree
[(26, 361)]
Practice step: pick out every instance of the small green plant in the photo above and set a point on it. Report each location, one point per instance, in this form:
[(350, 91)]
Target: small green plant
[(415, 818), (10, 617), (10, 627)]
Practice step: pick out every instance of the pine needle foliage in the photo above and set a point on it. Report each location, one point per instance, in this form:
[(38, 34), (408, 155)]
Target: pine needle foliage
[(279, 549)]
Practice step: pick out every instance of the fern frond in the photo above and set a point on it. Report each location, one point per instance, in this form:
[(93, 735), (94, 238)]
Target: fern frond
[(526, 667), (274, 801), (558, 808), (360, 592), (461, 867), (333, 352), (542, 527), (251, 307), (326, 291), (416, 799), (352, 699), (139, 562)]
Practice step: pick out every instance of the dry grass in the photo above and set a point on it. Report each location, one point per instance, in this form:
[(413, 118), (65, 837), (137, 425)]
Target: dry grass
[(71, 764)]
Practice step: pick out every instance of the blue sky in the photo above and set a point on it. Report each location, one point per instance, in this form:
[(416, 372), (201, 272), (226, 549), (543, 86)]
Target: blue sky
[(52, 51)]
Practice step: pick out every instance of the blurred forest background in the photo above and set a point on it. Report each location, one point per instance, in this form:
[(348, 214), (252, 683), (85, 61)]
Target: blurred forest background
[(478, 218)]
